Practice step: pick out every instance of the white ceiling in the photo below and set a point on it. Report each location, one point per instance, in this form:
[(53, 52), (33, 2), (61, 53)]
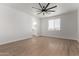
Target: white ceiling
[(27, 8)]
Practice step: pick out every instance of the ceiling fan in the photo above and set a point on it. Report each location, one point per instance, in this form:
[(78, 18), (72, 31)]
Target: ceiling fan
[(44, 8)]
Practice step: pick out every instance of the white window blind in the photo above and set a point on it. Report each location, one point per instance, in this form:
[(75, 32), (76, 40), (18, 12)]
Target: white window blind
[(54, 24)]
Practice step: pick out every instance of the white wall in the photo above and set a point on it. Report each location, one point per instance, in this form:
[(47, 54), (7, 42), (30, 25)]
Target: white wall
[(78, 23), (14, 25), (68, 26)]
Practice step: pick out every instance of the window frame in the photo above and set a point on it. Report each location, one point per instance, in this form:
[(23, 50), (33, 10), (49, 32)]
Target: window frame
[(54, 26)]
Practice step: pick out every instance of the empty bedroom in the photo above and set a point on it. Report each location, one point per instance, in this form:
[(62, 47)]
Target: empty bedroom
[(39, 29)]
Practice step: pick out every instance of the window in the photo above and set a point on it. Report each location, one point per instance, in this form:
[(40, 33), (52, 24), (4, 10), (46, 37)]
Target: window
[(54, 24)]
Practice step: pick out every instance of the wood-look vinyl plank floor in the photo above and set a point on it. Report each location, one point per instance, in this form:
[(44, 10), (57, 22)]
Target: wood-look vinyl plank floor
[(41, 46)]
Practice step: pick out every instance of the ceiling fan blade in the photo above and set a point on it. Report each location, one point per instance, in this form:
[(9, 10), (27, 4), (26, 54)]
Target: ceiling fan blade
[(50, 11), (52, 7), (39, 13), (36, 8), (47, 5), (40, 6)]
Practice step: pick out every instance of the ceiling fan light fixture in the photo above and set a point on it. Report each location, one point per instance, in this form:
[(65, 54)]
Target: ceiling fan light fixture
[(44, 9)]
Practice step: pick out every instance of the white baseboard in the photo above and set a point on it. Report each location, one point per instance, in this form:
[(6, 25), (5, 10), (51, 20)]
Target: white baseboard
[(14, 40), (30, 36), (71, 38)]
